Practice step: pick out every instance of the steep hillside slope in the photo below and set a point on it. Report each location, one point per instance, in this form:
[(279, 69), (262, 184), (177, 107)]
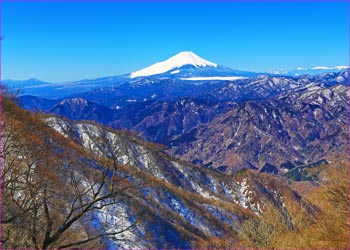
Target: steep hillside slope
[(81, 184)]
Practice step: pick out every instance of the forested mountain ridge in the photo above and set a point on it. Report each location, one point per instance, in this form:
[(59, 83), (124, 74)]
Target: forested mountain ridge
[(69, 184)]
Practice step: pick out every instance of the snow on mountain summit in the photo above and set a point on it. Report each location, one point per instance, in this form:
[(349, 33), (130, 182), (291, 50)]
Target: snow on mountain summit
[(174, 62), (310, 71), (330, 68)]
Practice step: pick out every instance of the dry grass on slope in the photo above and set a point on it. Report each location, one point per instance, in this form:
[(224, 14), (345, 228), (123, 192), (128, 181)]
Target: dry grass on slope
[(329, 228)]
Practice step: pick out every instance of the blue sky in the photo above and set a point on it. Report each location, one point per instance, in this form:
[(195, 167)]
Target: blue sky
[(78, 40)]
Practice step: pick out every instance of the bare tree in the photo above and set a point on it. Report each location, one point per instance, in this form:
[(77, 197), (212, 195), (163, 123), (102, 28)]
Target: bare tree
[(53, 188)]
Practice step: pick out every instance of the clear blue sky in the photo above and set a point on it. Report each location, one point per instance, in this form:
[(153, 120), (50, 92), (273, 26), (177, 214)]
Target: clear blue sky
[(72, 41)]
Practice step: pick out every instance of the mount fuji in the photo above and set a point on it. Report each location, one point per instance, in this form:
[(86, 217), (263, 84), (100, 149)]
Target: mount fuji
[(186, 65)]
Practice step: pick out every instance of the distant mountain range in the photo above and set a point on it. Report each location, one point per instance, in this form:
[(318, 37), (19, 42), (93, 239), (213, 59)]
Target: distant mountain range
[(193, 120), (185, 66), (311, 71)]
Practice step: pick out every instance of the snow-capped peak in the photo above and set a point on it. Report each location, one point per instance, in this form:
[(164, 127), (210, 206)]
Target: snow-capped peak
[(174, 62), (77, 101), (330, 68), (311, 71), (321, 67), (341, 67)]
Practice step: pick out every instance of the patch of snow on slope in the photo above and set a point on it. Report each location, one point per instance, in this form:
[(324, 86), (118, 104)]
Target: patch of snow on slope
[(116, 219), (193, 184), (147, 161), (175, 72), (57, 125), (242, 197), (218, 212), (186, 213)]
